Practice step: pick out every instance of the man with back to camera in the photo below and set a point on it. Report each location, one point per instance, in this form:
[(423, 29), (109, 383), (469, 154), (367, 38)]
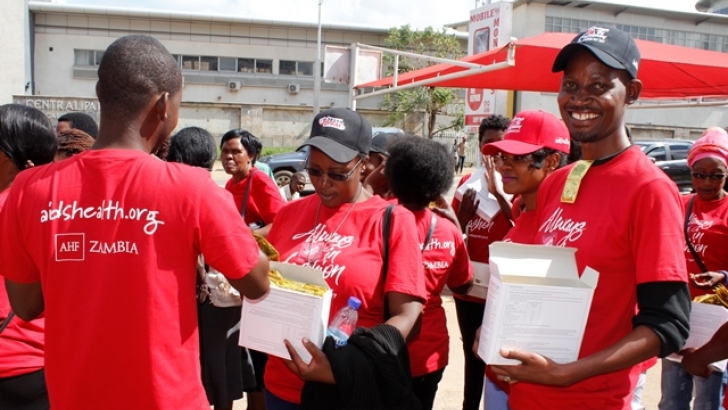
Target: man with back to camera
[(107, 243), (623, 215)]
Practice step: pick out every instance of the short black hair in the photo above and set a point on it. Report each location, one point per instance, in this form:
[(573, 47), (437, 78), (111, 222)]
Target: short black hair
[(133, 69), (26, 134), (250, 142), (81, 121), (193, 146), (493, 122), (418, 170)]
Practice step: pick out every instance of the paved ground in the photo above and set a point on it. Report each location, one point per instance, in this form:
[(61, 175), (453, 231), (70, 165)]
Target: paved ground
[(449, 396)]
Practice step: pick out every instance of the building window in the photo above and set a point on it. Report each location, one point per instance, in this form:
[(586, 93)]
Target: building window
[(264, 66), (190, 62), (300, 68), (208, 63), (228, 64), (89, 58), (252, 65)]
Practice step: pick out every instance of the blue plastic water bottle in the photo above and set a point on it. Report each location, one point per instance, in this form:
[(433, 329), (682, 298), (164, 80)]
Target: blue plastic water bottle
[(344, 323)]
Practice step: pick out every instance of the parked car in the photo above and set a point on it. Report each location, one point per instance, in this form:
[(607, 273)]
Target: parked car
[(671, 157), (284, 165)]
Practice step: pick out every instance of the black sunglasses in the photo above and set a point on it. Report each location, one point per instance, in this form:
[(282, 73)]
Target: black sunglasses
[(334, 176), (703, 175)]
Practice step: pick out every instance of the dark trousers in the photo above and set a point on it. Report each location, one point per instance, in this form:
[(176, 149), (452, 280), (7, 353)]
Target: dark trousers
[(461, 164), (24, 392), (470, 317), (425, 388)]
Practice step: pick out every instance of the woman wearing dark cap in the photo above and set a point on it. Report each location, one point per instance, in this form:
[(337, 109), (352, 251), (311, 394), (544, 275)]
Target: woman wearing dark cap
[(27, 139), (340, 231)]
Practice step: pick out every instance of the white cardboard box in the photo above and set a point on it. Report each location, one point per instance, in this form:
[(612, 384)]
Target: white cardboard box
[(536, 302), (286, 314), (481, 278), (488, 205)]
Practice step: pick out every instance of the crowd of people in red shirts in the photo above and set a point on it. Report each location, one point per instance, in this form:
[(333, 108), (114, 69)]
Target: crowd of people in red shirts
[(99, 250)]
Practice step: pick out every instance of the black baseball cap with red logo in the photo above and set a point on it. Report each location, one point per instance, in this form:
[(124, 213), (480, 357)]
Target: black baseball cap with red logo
[(610, 45), (341, 134)]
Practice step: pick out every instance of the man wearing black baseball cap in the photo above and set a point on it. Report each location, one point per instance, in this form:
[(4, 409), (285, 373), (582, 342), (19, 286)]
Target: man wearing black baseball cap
[(622, 214)]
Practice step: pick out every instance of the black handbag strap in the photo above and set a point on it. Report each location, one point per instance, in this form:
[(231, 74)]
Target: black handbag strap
[(687, 237), (386, 222), (7, 320), (247, 192)]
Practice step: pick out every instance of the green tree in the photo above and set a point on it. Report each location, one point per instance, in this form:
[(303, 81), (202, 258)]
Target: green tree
[(430, 100)]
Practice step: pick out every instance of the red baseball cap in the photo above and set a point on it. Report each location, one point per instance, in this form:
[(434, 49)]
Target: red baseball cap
[(530, 131)]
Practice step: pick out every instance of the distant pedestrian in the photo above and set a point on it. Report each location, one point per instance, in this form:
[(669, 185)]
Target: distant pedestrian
[(293, 190), (462, 147)]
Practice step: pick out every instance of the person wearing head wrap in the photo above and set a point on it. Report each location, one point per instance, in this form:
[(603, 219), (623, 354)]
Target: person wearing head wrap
[(72, 141), (706, 260)]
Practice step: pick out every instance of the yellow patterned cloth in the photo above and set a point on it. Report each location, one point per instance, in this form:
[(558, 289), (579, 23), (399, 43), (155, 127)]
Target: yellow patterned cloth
[(719, 297)]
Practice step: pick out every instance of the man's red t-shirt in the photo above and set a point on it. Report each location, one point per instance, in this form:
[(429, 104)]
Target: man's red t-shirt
[(708, 233), (113, 237), (351, 259), (446, 263), (481, 233), (625, 224), (264, 198), (21, 343)]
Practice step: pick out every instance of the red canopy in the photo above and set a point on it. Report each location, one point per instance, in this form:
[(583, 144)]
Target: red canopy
[(667, 71)]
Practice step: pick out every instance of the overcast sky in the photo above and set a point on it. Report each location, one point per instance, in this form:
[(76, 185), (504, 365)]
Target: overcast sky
[(374, 13)]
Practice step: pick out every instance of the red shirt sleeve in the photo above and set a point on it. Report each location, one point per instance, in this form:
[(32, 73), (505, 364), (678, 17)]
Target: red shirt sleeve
[(224, 239), (660, 204)]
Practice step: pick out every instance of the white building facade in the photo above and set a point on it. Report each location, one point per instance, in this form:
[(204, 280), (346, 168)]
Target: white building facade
[(238, 73), (258, 75)]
